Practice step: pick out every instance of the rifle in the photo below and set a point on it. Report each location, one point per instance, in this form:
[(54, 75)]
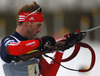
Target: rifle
[(76, 51)]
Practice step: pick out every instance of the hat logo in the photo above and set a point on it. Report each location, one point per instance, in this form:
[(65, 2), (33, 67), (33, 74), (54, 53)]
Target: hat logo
[(31, 18)]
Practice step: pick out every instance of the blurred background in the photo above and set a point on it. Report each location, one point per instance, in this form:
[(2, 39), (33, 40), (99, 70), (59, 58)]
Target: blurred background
[(61, 17)]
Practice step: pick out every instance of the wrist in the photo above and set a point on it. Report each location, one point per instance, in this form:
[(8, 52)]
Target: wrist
[(40, 41)]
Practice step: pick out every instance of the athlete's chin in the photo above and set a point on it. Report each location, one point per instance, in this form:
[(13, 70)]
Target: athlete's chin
[(34, 35)]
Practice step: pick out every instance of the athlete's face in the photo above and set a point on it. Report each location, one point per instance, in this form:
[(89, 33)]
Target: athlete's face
[(33, 29)]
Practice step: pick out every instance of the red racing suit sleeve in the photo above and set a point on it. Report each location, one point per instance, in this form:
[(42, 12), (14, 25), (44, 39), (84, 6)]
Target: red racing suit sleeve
[(50, 69), (22, 47)]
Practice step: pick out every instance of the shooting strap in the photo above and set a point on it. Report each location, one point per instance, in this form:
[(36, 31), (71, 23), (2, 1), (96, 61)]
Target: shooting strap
[(75, 52)]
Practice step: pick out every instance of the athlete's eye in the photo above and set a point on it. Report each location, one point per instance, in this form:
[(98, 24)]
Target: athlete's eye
[(39, 25)]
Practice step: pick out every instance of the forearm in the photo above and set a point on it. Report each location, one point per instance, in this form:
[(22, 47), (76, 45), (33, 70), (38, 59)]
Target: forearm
[(23, 47)]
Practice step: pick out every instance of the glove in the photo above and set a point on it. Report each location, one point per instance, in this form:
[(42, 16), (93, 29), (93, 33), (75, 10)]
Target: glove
[(46, 39), (71, 40), (43, 40), (47, 45)]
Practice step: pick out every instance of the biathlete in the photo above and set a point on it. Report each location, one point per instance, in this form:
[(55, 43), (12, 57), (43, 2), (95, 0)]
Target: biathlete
[(21, 51)]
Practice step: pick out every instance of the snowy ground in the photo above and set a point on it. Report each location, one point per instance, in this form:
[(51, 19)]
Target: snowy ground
[(82, 59)]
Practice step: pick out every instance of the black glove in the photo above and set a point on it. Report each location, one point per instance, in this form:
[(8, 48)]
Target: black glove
[(46, 39), (72, 39)]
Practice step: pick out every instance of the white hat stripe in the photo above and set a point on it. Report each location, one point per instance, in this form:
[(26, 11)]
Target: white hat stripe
[(21, 16)]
